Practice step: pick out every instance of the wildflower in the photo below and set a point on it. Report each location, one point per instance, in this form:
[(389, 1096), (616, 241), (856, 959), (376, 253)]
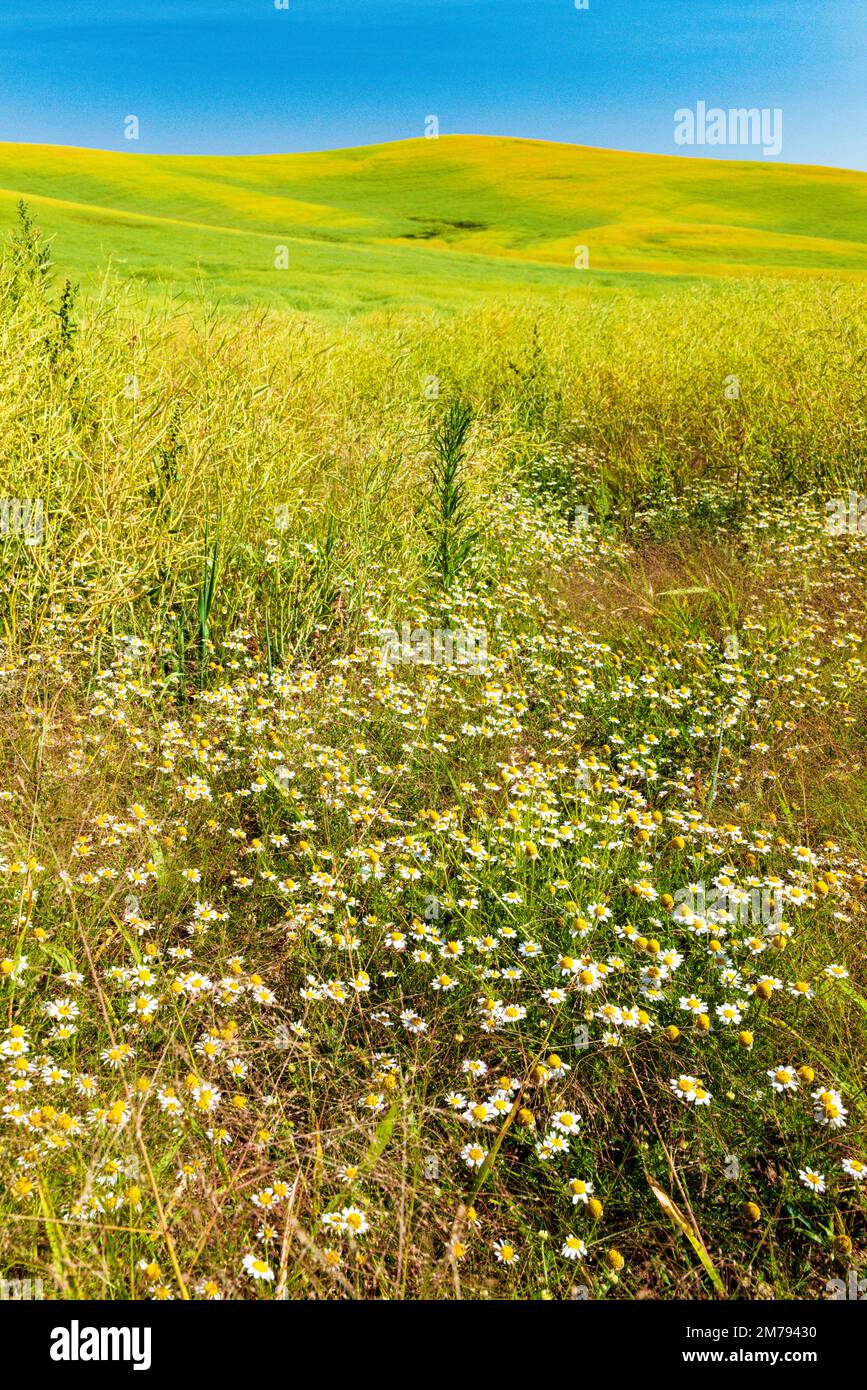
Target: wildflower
[(692, 1004), (354, 1221), (573, 1248), (412, 1022), (566, 1121), (800, 989), (61, 1008), (473, 1155), (257, 1268), (689, 1089), (373, 1102), (828, 1109), (811, 1179), (783, 1078), (206, 1098), (169, 1101)]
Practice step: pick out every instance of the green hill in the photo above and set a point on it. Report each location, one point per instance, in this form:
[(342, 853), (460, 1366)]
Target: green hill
[(434, 222)]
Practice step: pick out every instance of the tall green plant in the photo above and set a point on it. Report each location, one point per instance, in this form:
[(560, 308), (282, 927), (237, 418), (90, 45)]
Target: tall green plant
[(30, 254), (448, 517), (205, 601)]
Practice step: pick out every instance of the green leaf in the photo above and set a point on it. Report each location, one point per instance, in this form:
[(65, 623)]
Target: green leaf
[(381, 1138), (691, 1232)]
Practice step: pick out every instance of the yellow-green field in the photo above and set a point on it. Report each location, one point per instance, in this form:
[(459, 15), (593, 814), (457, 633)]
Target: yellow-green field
[(435, 222)]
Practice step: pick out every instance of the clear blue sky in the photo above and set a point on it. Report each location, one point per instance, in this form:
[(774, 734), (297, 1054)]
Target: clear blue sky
[(240, 76)]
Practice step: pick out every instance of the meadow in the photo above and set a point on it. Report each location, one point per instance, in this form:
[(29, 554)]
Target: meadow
[(433, 224), (433, 804)]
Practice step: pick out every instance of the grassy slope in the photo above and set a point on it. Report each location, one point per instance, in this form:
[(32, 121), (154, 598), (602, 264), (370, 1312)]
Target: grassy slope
[(435, 222)]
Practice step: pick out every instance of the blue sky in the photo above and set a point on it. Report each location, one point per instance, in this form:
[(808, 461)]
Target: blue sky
[(241, 77)]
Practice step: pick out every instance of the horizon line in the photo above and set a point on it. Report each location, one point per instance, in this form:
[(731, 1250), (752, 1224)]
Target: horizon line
[(421, 139)]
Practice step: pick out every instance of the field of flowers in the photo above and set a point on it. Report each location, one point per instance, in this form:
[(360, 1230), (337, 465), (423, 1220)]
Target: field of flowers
[(432, 821)]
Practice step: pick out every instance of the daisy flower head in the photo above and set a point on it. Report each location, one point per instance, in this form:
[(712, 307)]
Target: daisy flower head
[(691, 1003), (555, 1143), (257, 1268), (812, 1180), (473, 1155), (474, 1067), (573, 1248), (837, 972), (783, 1078), (355, 1223), (580, 1191)]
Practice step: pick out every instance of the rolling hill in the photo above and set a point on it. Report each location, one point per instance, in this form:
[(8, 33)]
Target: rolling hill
[(433, 222)]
